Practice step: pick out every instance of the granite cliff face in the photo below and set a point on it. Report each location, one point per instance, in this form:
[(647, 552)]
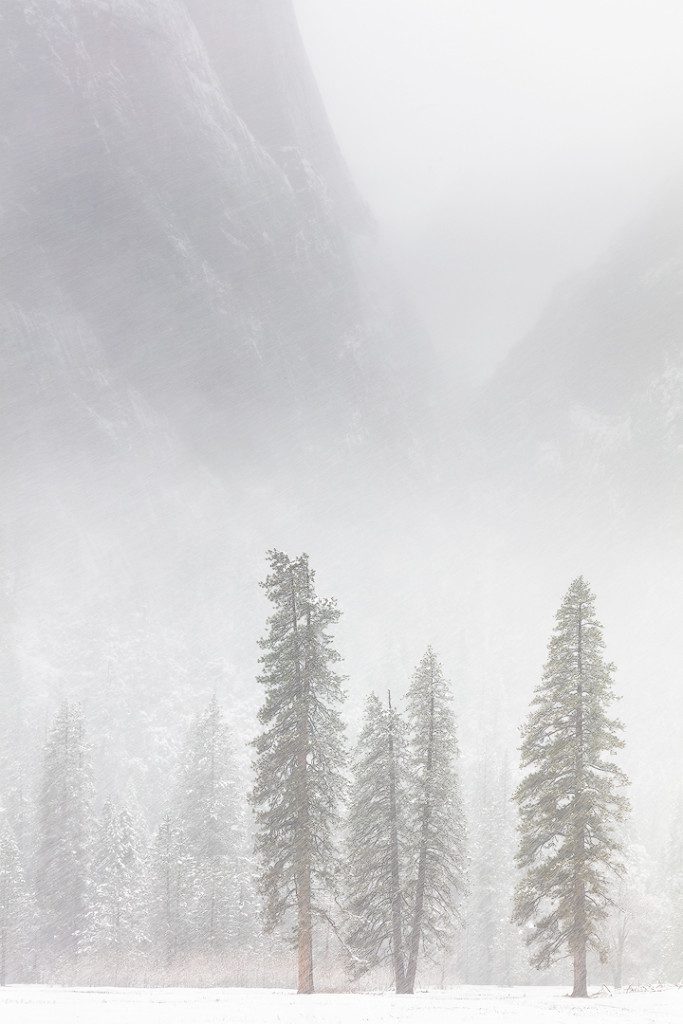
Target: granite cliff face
[(196, 335), (174, 189)]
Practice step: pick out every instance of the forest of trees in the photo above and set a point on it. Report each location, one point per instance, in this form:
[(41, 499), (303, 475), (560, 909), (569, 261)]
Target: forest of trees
[(368, 860)]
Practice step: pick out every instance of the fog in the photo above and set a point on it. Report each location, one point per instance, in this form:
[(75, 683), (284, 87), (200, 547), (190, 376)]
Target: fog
[(379, 302), (502, 146)]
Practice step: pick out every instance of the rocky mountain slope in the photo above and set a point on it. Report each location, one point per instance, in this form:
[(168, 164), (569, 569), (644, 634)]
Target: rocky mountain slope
[(586, 413), (196, 339), (201, 358), (173, 183)]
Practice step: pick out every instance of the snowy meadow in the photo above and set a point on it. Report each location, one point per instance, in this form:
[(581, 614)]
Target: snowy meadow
[(466, 1005)]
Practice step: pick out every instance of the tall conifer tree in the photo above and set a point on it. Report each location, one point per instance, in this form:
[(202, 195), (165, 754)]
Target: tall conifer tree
[(438, 824), (495, 952), (171, 892), (214, 830), (118, 927), (571, 801), (377, 844), (673, 893), (299, 755), (17, 912), (64, 835)]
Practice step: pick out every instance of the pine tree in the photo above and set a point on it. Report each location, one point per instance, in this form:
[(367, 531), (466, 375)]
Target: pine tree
[(438, 824), (64, 833), (214, 827), (495, 951), (118, 927), (673, 886), (636, 929), (571, 801), (171, 892), (377, 843), (16, 907), (20, 812), (299, 756)]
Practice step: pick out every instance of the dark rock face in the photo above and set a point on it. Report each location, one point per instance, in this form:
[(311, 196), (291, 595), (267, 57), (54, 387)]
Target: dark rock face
[(196, 341), (174, 184), (256, 50)]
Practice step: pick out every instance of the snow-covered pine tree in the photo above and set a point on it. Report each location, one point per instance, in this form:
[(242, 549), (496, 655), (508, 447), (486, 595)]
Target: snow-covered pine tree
[(376, 844), (171, 892), (300, 756), (64, 836), (17, 911), (214, 824), (636, 928), (438, 824), (571, 801), (493, 947), (673, 889), (118, 926)]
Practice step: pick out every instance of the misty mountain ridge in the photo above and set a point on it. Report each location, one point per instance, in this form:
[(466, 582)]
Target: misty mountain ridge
[(204, 356), (197, 341), (593, 393), (214, 265)]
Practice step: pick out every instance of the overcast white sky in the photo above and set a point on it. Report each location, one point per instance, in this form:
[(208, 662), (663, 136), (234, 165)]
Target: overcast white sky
[(500, 143)]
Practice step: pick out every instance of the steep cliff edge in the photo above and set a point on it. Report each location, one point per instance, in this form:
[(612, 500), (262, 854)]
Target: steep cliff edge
[(185, 196), (196, 341)]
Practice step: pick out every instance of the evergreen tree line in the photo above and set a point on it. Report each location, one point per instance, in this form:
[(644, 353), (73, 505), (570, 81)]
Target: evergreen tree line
[(99, 894), (363, 851)]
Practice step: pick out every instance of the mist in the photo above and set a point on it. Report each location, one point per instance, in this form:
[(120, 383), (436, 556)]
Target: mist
[(352, 330), (501, 147)]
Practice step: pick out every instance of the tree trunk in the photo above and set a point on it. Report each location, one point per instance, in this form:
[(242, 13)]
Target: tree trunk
[(305, 933), (580, 990), (579, 929), (416, 930), (396, 895), (303, 853)]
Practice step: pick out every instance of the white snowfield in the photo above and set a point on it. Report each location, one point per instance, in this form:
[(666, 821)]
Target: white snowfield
[(39, 1004)]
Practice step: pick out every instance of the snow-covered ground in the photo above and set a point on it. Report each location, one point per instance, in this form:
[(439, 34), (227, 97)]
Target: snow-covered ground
[(466, 1005)]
